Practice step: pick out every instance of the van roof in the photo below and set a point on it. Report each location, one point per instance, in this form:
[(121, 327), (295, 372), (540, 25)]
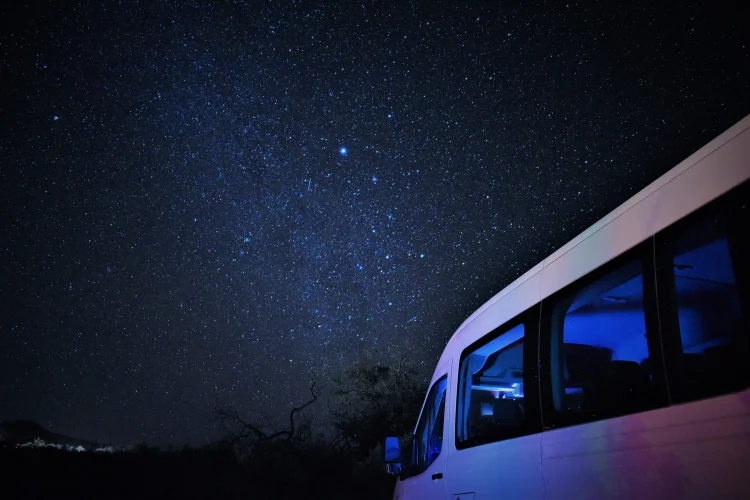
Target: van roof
[(684, 165)]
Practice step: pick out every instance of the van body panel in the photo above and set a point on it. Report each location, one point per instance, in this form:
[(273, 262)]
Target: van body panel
[(658, 454), (512, 467)]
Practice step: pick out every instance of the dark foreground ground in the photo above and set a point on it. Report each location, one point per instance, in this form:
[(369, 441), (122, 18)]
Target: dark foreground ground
[(51, 473)]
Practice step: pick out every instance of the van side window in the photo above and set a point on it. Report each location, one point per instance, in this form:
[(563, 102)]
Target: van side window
[(428, 440), (700, 292), (490, 391), (599, 351)]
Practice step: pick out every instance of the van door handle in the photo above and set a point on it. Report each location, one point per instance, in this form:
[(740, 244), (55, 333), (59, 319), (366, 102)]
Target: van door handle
[(438, 475)]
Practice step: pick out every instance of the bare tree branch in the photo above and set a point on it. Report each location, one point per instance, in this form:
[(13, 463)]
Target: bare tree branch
[(241, 430)]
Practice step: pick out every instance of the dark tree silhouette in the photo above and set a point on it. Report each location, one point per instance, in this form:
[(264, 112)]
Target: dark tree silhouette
[(376, 401)]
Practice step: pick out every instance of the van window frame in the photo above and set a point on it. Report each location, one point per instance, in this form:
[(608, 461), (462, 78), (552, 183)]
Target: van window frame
[(533, 422), (725, 207), (413, 469), (643, 253)]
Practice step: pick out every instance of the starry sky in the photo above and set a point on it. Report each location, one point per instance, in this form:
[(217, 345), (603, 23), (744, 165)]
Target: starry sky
[(209, 203)]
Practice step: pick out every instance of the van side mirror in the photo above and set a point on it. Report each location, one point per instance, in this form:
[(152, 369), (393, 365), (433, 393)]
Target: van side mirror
[(392, 455)]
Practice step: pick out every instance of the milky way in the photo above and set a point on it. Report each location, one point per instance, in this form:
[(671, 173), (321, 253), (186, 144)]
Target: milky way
[(209, 204)]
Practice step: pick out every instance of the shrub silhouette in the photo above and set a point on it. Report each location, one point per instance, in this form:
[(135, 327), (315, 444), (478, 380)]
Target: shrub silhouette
[(250, 462)]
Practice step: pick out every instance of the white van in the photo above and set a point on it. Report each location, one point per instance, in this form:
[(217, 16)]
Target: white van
[(618, 367)]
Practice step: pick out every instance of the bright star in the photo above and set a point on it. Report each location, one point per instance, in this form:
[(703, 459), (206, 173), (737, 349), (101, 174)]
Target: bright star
[(343, 151)]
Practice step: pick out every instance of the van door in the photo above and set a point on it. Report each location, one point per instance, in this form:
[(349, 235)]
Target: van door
[(428, 454), (497, 418)]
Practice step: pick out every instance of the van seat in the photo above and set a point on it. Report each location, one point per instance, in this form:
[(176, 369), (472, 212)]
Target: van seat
[(507, 412)]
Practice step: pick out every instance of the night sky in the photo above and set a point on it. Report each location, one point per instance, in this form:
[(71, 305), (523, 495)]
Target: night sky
[(211, 203)]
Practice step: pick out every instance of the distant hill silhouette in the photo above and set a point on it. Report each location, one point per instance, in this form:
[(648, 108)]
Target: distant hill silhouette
[(24, 431)]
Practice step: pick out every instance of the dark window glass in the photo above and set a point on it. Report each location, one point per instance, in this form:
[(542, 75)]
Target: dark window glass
[(599, 353), (490, 391), (428, 439), (706, 296)]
